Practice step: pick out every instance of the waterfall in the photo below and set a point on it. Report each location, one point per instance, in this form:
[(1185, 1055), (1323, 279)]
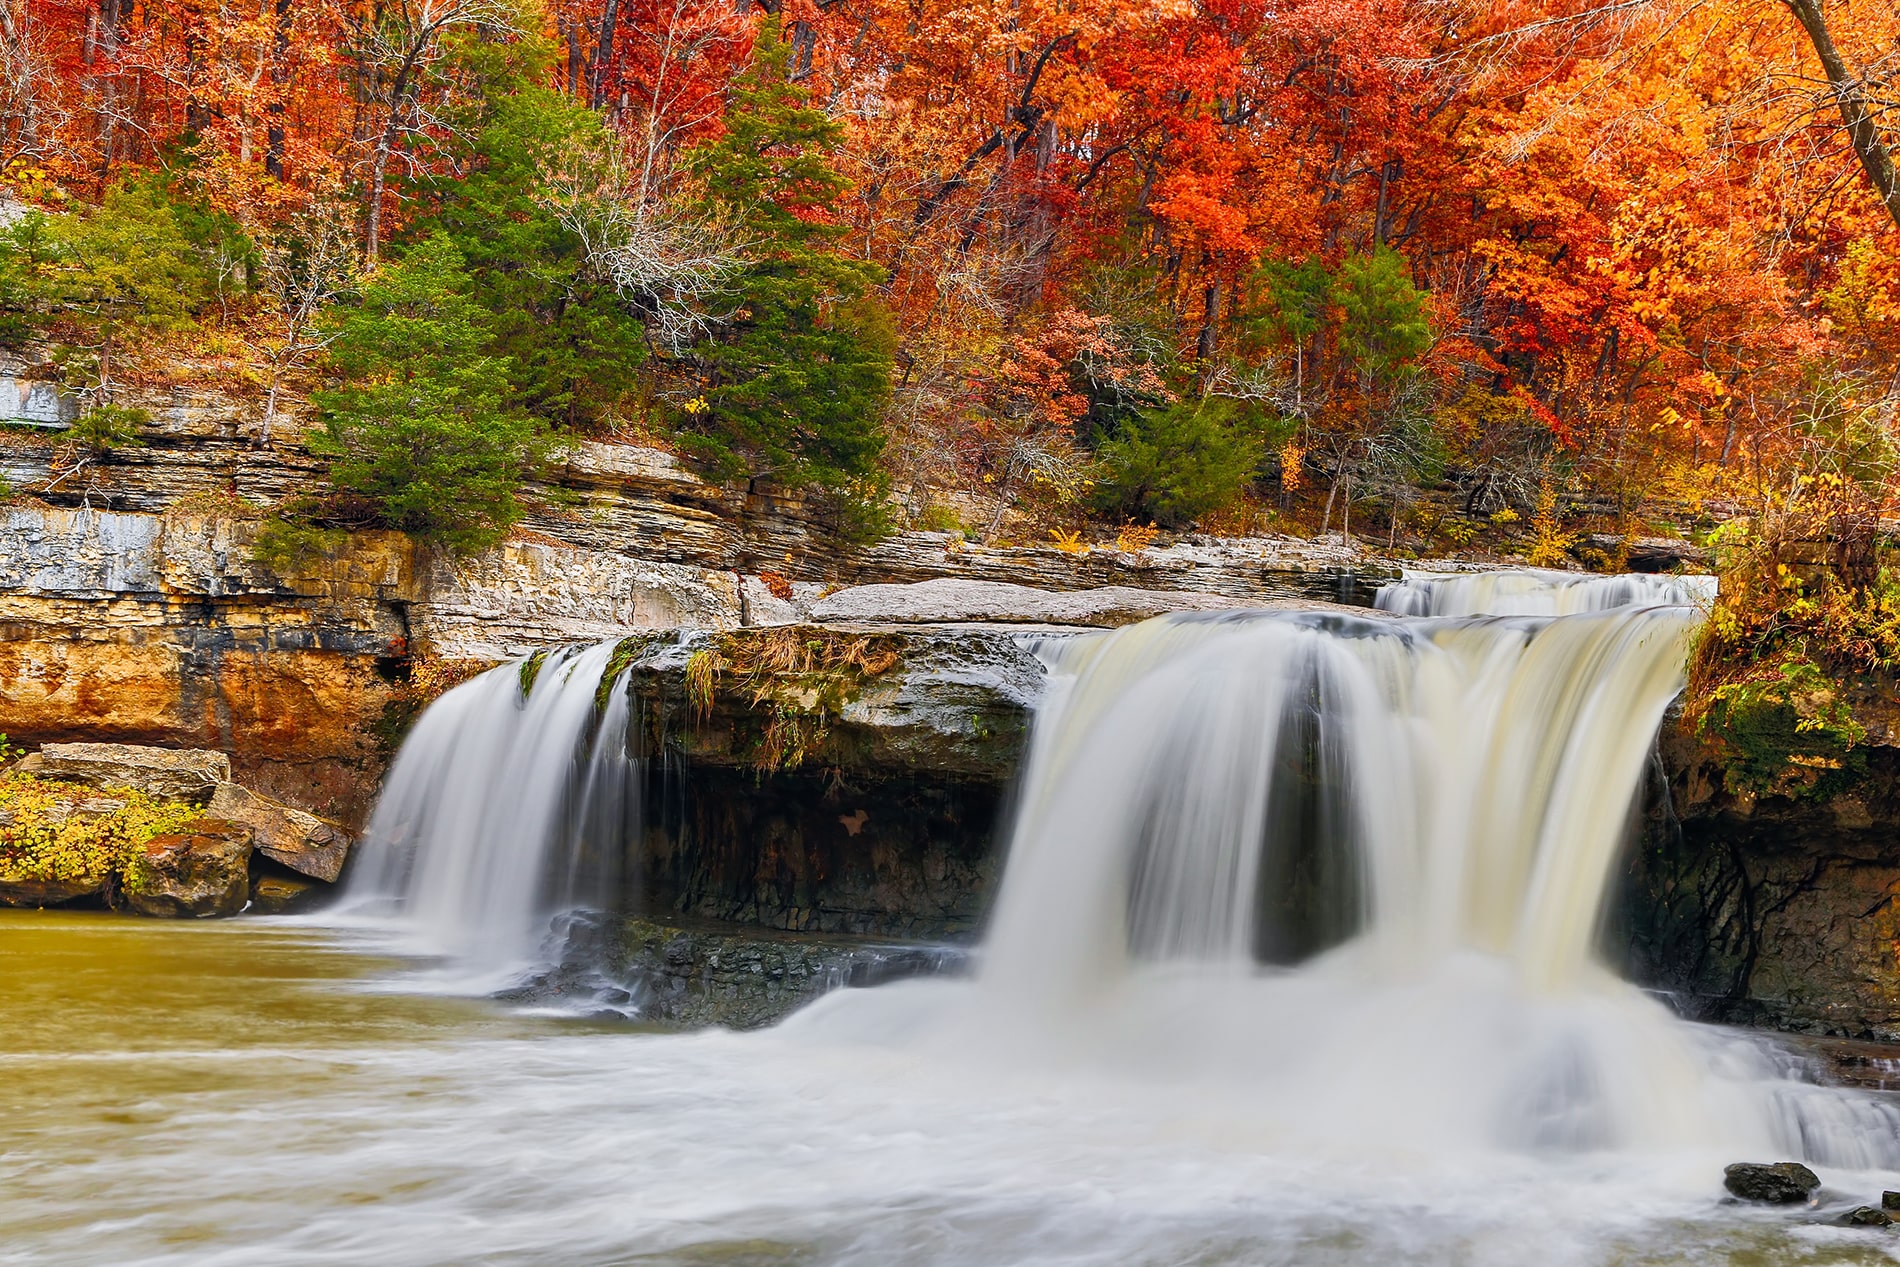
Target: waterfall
[(1261, 787), (1532, 592), (1358, 864), (502, 809)]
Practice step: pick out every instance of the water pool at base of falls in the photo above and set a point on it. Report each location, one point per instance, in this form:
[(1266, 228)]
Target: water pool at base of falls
[(248, 1095)]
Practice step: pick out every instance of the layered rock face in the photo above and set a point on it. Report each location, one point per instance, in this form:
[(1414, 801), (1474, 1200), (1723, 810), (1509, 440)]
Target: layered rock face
[(1767, 911), (132, 608), (160, 630)]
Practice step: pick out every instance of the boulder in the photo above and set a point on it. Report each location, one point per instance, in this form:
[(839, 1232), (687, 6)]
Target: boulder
[(301, 841), (173, 774), (1867, 1216), (94, 807), (1777, 1183), (953, 601), (1890, 1201), (1645, 554), (37, 893), (198, 873), (283, 895)]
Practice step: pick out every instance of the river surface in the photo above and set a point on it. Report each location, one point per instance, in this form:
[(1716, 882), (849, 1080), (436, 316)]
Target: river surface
[(251, 1093)]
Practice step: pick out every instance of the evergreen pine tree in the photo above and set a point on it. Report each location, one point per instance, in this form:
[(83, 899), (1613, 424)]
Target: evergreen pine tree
[(572, 346), (423, 431), (795, 380)]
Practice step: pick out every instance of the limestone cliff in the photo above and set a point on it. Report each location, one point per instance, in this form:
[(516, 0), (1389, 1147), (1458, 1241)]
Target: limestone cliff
[(131, 607)]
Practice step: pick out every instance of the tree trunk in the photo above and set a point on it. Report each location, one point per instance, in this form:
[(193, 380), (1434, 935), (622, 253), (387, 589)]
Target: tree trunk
[(378, 180), (1850, 94), (603, 55), (275, 136), (1205, 346), (270, 408)]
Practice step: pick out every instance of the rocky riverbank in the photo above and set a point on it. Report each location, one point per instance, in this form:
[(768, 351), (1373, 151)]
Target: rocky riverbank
[(155, 831)]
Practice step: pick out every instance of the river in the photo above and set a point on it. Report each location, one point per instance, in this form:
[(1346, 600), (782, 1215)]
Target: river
[(256, 1092)]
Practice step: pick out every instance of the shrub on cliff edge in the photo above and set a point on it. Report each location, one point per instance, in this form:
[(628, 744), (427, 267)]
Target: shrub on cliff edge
[(422, 431), (1806, 605)]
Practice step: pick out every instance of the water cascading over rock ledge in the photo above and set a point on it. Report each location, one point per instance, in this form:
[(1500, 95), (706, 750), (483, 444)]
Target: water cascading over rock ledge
[(843, 785), (1273, 847)]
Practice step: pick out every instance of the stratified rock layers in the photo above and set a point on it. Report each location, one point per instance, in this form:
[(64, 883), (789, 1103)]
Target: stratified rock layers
[(1767, 911)]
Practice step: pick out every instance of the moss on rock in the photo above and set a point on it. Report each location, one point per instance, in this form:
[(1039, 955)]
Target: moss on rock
[(1784, 730), (63, 841)]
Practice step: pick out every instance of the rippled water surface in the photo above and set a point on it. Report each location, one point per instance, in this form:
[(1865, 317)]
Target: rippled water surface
[(239, 1094)]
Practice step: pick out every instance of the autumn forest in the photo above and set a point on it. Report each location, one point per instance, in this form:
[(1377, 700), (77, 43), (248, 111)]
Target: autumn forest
[(1408, 268)]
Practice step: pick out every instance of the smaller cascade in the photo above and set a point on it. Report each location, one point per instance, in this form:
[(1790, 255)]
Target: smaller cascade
[(1532, 592), (504, 809)]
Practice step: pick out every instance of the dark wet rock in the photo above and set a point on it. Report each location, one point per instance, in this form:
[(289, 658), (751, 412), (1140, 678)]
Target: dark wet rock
[(1866, 1216), (284, 894), (33, 894), (1771, 910), (695, 973), (844, 799), (1773, 1183), (198, 873), (299, 840)]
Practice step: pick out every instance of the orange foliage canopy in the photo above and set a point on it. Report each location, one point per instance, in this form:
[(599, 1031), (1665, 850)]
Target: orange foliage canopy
[(1640, 223)]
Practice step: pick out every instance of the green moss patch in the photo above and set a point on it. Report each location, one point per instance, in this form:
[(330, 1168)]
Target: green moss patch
[(1784, 730), (79, 837)]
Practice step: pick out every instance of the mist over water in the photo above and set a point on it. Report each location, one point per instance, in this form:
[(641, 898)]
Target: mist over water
[(1292, 964)]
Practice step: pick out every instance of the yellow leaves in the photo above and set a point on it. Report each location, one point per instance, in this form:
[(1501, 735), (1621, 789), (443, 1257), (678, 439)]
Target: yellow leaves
[(1068, 542), (1866, 292), (54, 835), (1133, 540), (1550, 544), (1292, 466)]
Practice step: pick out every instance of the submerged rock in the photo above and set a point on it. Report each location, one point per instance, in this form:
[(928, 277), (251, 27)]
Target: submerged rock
[(1776, 1183), (33, 894), (174, 774), (197, 873), (283, 895), (301, 841), (694, 973), (1867, 1216)]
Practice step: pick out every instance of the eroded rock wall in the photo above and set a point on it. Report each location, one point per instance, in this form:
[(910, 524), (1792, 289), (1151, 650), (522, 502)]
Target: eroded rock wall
[(162, 629), (874, 808), (1766, 911), (159, 629)]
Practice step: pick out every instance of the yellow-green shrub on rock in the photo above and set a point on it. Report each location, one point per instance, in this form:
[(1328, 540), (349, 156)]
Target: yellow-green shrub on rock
[(62, 841)]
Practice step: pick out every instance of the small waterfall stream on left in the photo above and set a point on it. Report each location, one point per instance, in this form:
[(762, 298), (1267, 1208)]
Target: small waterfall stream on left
[(506, 809)]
